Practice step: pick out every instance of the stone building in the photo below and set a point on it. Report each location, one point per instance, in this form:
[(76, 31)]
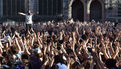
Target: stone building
[(83, 10)]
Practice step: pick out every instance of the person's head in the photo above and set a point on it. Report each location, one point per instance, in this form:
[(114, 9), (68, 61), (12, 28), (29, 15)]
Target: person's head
[(85, 37), (35, 45), (13, 50), (58, 59), (28, 12), (110, 63), (25, 58), (38, 55), (54, 67), (75, 65), (69, 52)]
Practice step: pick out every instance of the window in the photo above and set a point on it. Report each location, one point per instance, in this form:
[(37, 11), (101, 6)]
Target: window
[(50, 7), (119, 10), (12, 7)]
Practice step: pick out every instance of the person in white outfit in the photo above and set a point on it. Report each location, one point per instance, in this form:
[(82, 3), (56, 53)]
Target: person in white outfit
[(28, 21), (60, 62)]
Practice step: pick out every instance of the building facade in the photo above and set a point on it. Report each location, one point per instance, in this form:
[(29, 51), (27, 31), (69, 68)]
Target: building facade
[(82, 10)]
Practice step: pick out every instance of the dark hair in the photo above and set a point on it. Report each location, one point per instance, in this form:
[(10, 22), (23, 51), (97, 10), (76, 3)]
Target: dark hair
[(54, 38), (48, 40), (24, 56), (60, 41), (110, 63), (35, 45), (13, 50), (4, 54), (58, 48), (50, 32), (84, 37), (59, 59), (75, 65), (1, 58), (80, 41), (28, 12), (69, 51)]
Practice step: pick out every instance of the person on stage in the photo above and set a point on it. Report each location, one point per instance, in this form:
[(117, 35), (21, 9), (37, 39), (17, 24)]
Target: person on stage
[(28, 21)]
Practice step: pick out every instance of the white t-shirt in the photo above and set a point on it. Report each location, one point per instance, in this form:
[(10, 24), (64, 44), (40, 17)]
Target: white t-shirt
[(29, 19), (20, 54), (62, 66)]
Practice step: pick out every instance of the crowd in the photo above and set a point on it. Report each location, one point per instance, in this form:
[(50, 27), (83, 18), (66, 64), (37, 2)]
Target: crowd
[(61, 45)]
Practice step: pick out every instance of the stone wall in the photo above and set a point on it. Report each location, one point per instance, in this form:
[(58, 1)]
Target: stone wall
[(1, 8), (33, 5), (67, 8)]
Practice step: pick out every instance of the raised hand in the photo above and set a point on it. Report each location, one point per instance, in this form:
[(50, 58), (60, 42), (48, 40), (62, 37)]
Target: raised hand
[(116, 52), (1, 44), (21, 13)]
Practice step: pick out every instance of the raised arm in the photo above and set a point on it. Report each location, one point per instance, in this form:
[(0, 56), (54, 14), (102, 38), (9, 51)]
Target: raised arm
[(21, 13), (34, 13), (17, 43), (1, 46), (26, 48)]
